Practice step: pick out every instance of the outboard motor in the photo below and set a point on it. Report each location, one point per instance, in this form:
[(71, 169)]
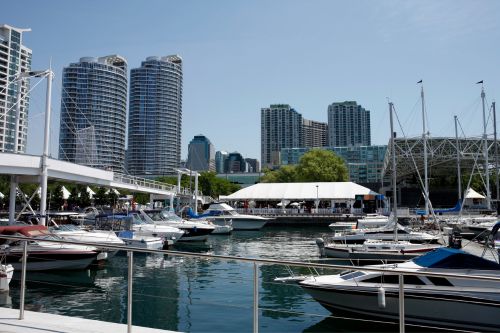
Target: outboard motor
[(321, 245), (455, 240)]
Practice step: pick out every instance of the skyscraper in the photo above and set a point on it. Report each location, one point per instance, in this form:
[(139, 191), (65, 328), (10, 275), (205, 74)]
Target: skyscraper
[(155, 117), (253, 164), (281, 127), (348, 125), (235, 163), (15, 58), (94, 112), (201, 154), (315, 133), (220, 157)]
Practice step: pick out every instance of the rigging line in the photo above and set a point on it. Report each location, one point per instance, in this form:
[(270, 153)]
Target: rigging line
[(15, 104), (75, 103)]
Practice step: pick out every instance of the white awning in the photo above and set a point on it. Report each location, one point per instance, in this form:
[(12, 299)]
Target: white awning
[(66, 193), (300, 191)]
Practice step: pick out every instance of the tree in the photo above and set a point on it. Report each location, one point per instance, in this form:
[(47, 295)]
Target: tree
[(317, 165), (56, 197), (214, 186)]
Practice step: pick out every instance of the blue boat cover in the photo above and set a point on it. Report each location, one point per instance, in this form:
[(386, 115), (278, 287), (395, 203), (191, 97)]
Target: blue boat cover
[(192, 214), (455, 259)]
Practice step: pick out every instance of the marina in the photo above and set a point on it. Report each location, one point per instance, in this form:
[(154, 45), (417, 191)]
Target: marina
[(188, 293)]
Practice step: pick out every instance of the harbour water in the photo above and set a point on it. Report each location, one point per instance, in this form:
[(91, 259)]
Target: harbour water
[(196, 295)]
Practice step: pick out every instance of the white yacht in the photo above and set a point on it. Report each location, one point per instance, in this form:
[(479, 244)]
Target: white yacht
[(429, 300), (100, 238), (193, 231), (372, 221), (219, 213)]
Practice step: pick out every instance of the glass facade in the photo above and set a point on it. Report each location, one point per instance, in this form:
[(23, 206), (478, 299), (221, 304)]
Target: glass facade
[(15, 58), (93, 112), (155, 117), (201, 154), (365, 163)]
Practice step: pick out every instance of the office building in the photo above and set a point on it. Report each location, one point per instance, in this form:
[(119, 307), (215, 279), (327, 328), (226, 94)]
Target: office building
[(253, 164), (365, 163), (15, 58), (94, 112), (201, 154), (281, 127), (155, 117), (348, 125), (220, 157), (235, 163), (315, 133)]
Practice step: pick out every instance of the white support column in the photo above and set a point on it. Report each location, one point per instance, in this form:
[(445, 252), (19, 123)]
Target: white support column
[(172, 201), (179, 175), (13, 178), (12, 199), (45, 155)]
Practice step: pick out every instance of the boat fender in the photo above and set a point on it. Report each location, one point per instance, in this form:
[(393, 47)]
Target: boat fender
[(321, 245), (381, 297)]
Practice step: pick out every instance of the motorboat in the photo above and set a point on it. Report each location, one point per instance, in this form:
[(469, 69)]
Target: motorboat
[(100, 238), (193, 230), (447, 301), (130, 238), (220, 213), (372, 221), (6, 273), (141, 228), (44, 254), (220, 229), (341, 226), (373, 250), (385, 233)]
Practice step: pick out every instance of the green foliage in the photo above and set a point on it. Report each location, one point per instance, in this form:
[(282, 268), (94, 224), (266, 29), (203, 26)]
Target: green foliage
[(56, 197), (317, 165), (214, 186)]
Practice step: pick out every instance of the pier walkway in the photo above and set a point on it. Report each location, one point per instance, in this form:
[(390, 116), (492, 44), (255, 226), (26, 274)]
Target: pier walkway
[(37, 322)]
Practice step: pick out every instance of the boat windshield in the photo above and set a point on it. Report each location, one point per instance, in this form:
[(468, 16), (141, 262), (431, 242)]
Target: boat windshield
[(170, 215), (66, 227), (351, 275)]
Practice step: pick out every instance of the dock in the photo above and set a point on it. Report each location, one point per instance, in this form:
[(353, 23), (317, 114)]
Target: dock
[(38, 322)]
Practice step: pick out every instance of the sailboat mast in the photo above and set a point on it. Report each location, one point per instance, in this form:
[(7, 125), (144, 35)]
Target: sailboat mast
[(493, 105), (459, 176), (485, 151), (424, 139), (394, 189)]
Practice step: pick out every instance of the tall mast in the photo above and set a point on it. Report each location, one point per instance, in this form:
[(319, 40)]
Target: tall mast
[(424, 139), (459, 176), (496, 149), (394, 189), (485, 150)]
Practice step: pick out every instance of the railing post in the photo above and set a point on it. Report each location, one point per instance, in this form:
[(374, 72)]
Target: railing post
[(401, 304), (255, 298), (23, 280), (130, 256)]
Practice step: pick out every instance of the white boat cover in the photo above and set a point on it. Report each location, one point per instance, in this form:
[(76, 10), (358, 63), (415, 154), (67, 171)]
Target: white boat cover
[(471, 194), (300, 191)]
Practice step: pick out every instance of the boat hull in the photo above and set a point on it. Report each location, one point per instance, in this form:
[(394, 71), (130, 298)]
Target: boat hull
[(457, 310), (242, 223), (60, 260)]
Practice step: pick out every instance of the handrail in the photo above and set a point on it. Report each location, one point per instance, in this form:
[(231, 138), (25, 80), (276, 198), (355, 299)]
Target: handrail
[(261, 261)]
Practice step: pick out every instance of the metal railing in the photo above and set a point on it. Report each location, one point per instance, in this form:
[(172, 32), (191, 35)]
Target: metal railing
[(255, 262), (152, 184)]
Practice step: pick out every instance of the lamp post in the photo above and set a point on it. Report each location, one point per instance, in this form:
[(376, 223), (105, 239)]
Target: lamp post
[(317, 197)]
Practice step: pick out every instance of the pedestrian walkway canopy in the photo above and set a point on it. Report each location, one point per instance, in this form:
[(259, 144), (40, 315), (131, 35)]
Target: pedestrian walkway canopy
[(300, 191)]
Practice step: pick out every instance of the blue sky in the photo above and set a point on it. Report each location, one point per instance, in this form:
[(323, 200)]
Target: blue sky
[(240, 56)]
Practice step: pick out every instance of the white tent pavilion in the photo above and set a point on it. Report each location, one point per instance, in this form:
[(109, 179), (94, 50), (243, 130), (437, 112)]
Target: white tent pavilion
[(473, 198), (338, 191)]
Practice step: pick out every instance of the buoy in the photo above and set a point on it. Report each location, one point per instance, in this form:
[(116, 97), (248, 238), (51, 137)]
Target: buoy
[(381, 297)]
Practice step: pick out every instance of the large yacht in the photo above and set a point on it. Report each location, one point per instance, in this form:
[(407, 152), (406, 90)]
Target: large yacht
[(219, 213)]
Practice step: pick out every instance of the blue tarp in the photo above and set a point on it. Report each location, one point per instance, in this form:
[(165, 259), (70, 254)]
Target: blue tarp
[(455, 259), (192, 215)]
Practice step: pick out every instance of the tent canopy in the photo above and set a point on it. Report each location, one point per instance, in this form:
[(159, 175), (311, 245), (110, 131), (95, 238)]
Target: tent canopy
[(471, 194), (300, 191)]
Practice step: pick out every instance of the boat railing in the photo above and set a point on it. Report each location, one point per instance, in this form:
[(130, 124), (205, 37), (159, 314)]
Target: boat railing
[(313, 268)]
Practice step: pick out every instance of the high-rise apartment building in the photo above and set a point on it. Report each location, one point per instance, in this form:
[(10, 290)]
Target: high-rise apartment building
[(155, 117), (201, 154), (15, 58), (281, 127), (315, 133), (94, 112), (220, 157), (348, 125)]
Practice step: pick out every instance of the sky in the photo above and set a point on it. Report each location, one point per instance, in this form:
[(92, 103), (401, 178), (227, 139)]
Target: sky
[(240, 56)]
